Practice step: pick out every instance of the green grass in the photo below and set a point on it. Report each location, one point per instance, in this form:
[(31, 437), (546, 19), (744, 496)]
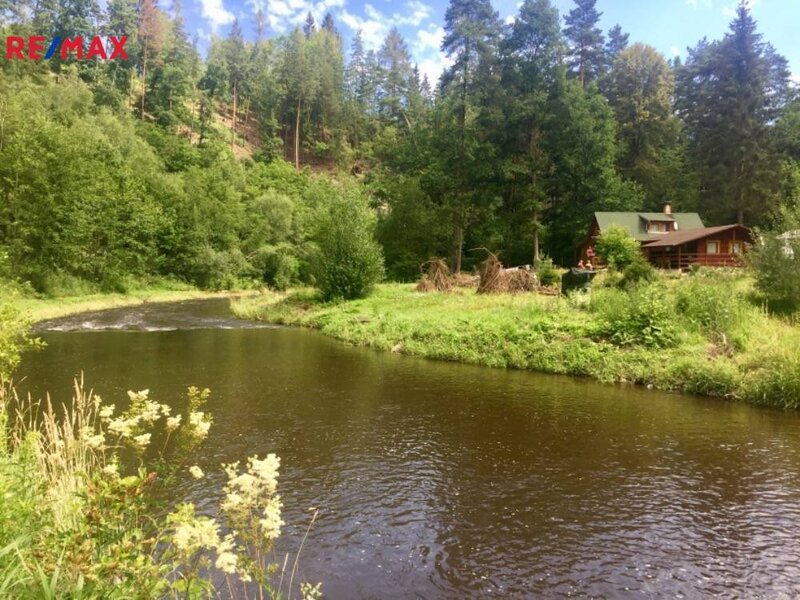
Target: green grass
[(717, 343)]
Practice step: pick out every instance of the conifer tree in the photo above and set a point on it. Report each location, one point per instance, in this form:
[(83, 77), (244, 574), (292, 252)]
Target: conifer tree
[(586, 41)]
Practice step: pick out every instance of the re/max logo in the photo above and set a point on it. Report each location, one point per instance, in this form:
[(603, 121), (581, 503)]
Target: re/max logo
[(18, 48)]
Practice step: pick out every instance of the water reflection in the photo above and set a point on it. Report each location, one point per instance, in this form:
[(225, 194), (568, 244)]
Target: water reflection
[(441, 480)]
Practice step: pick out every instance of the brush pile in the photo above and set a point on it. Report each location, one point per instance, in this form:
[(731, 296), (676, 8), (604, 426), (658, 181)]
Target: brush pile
[(494, 279), (491, 272), (436, 276)]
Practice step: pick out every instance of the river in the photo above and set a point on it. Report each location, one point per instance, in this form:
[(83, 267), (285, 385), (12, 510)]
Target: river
[(440, 480)]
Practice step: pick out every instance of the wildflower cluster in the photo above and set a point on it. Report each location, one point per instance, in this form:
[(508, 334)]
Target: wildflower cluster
[(109, 540), (131, 426)]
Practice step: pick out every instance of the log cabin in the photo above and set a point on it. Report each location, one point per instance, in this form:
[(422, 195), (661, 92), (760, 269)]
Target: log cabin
[(673, 240)]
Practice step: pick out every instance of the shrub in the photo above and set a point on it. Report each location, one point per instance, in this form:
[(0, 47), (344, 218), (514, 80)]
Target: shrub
[(278, 265), (14, 329), (777, 272), (547, 273), (640, 316), (638, 271), (710, 307), (218, 269), (618, 248), (349, 261)]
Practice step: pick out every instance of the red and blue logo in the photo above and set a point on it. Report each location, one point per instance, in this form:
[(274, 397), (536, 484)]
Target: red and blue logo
[(33, 48)]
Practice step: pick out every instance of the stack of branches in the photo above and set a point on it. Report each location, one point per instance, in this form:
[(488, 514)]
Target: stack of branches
[(436, 276), (494, 279)]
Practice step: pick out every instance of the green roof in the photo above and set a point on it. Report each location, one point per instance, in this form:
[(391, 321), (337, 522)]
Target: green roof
[(635, 223)]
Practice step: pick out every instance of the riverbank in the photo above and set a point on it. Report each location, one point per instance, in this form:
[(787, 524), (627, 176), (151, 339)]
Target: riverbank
[(41, 309), (700, 334)]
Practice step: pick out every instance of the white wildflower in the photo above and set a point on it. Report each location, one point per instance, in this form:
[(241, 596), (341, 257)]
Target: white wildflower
[(142, 440), (271, 523), (227, 561), (311, 592), (266, 470), (107, 411), (196, 472), (111, 468), (93, 441), (200, 424), (166, 409), (233, 502), (173, 423), (150, 411)]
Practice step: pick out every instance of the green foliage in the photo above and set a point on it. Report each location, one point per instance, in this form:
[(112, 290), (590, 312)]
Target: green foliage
[(618, 248), (710, 307), (547, 273), (774, 260), (349, 261), (642, 316), (14, 333), (81, 522), (639, 271)]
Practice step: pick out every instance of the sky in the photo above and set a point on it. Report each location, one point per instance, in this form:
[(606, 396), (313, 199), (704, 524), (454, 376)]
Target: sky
[(669, 25)]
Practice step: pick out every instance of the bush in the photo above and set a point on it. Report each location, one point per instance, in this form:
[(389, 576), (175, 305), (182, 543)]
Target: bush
[(638, 271), (14, 330), (618, 248), (640, 316), (349, 261), (777, 272), (218, 269), (710, 307), (547, 273), (278, 265)]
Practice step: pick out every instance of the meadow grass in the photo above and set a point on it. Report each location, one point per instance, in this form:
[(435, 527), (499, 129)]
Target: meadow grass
[(698, 334)]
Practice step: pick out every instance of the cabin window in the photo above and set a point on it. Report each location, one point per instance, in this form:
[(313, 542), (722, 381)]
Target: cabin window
[(736, 247), (658, 226), (712, 247)]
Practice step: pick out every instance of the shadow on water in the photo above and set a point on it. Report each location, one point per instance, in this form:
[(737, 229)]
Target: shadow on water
[(445, 480)]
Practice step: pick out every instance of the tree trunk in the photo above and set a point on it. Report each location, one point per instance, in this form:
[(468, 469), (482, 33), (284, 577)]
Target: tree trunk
[(458, 242), (233, 121), (536, 255), (297, 137), (144, 77)]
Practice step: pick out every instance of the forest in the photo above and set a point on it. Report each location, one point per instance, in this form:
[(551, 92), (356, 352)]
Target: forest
[(217, 170)]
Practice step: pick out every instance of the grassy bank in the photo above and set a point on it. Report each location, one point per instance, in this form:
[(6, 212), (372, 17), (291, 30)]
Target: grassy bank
[(699, 334), (40, 309)]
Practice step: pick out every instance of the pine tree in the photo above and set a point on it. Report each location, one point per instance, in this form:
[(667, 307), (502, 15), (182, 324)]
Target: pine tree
[(586, 41), (730, 92), (310, 26), (237, 67), (472, 30), (532, 55), (617, 42), (396, 69), (329, 25)]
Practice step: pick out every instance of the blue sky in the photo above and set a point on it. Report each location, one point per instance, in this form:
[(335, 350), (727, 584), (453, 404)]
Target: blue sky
[(669, 25)]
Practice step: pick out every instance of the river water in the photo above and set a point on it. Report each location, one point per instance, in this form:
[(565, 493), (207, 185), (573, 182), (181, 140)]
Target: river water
[(440, 480)]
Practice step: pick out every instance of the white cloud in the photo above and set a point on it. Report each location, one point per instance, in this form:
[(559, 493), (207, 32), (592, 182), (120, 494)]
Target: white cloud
[(674, 51), (375, 25), (428, 40), (434, 67), (215, 13), (373, 31), (284, 15)]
